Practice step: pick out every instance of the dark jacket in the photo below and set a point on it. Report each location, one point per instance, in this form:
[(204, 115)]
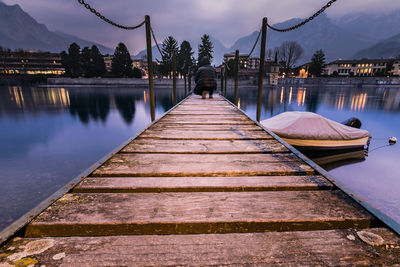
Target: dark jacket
[(206, 77)]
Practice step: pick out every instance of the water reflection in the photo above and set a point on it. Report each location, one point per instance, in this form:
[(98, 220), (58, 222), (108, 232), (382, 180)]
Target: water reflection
[(281, 99), (87, 104)]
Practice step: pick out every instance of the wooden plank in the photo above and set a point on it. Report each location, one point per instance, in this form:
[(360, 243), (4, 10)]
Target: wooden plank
[(204, 146), (204, 127), (206, 121), (205, 117), (308, 248), (206, 108), (210, 112), (175, 134), (200, 184), (203, 165), (197, 213)]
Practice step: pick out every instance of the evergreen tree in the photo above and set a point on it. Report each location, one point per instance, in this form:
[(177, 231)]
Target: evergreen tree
[(317, 63), (185, 58), (86, 62), (71, 61), (137, 73), (99, 67), (205, 48), (121, 65), (169, 47)]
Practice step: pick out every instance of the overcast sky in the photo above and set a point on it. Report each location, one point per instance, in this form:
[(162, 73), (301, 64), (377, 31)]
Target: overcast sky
[(226, 20)]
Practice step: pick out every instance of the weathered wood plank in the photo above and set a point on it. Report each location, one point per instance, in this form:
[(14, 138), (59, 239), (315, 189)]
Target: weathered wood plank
[(204, 146), (212, 112), (205, 117), (201, 184), (207, 121), (204, 127), (206, 108), (308, 248), (197, 213), (176, 134), (203, 165)]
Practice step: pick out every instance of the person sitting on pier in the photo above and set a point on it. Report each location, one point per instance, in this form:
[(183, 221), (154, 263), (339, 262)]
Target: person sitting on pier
[(206, 78)]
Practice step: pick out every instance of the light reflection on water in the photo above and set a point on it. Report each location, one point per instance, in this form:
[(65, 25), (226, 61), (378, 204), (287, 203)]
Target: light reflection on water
[(377, 178), (49, 135)]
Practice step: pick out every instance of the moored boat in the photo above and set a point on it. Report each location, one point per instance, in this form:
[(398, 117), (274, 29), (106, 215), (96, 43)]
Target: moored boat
[(310, 131)]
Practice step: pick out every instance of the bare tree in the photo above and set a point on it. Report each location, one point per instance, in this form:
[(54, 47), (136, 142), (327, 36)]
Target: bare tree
[(289, 53)]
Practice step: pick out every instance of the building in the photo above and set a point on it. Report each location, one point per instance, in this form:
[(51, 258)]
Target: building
[(396, 67), (362, 67), (108, 62), (250, 68), (243, 59), (30, 63)]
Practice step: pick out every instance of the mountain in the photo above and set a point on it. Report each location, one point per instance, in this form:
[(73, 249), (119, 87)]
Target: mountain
[(385, 49), (378, 26), (19, 30), (320, 33), (339, 37)]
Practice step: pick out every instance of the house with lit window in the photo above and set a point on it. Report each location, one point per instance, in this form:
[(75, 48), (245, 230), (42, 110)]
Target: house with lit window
[(30, 63), (362, 67)]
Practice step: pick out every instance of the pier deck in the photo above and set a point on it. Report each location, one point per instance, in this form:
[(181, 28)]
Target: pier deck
[(204, 185)]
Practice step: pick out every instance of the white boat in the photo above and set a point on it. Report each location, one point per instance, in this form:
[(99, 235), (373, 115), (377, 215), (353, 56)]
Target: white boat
[(310, 131)]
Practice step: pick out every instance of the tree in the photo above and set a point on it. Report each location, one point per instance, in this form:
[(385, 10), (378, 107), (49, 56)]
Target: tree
[(169, 47), (205, 48), (99, 67), (137, 73), (289, 53), (185, 58), (86, 62), (317, 63), (121, 65), (71, 61)]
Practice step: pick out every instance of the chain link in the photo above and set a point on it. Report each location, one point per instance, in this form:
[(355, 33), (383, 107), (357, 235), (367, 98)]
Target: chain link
[(254, 46), (304, 21), (94, 11), (155, 40)]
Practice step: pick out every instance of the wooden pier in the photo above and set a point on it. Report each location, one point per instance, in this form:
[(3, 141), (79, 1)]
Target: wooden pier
[(204, 185)]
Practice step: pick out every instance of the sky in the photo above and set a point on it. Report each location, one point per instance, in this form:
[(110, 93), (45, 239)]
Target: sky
[(226, 20)]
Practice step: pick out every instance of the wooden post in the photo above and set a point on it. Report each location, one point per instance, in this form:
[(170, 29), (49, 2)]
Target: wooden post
[(150, 67), (222, 80), (262, 66), (185, 78), (190, 80), (237, 61), (174, 76), (226, 79)]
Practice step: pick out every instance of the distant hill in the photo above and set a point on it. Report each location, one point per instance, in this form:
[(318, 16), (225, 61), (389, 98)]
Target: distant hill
[(321, 33), (377, 27), (384, 49), (18, 30)]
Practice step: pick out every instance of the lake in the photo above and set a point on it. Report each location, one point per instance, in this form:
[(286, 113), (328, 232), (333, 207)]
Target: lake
[(48, 135)]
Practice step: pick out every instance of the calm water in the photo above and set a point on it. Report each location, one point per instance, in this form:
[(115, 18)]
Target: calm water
[(49, 135)]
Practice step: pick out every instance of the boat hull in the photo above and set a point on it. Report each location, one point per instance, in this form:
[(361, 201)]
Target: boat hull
[(308, 144)]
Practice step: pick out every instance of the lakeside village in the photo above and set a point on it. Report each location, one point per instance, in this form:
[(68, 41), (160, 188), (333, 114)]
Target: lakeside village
[(89, 62)]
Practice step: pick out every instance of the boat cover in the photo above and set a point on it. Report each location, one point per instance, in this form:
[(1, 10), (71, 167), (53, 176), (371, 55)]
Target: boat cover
[(311, 126)]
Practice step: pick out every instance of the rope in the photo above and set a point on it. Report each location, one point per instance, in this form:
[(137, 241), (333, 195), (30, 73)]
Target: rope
[(155, 40), (98, 14), (304, 21)]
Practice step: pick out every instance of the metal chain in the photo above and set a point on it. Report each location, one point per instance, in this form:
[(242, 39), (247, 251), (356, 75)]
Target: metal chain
[(155, 40), (255, 44), (94, 11), (304, 21)]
